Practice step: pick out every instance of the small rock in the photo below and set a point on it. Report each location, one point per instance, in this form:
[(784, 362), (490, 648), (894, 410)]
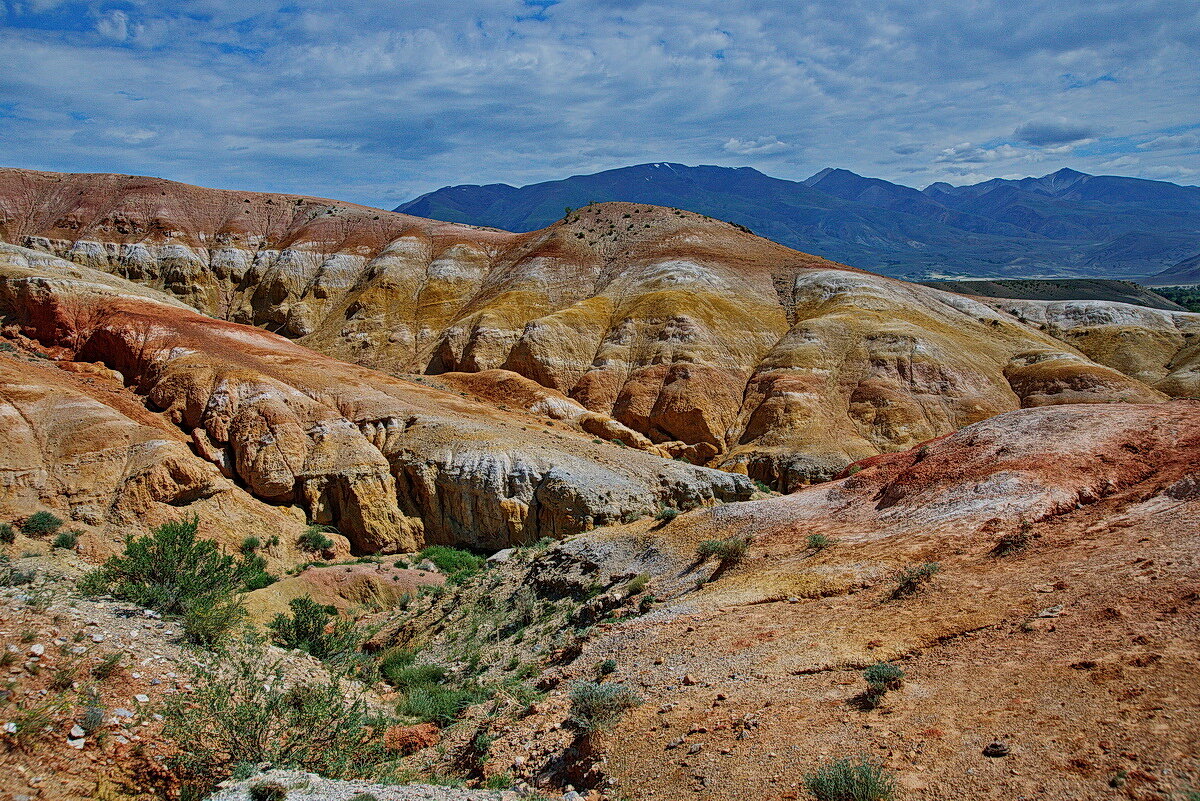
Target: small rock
[(77, 732), (121, 712), (142, 699), (77, 744), (97, 637), (695, 748), (37, 649), (995, 749), (501, 556), (690, 680), (571, 795), (10, 728), (1052, 611), (678, 741)]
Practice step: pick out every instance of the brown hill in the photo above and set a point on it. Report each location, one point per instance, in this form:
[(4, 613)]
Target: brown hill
[(1060, 618), (715, 344)]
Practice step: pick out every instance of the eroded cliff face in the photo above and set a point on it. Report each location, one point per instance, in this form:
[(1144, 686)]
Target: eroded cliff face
[(703, 340), (391, 463)]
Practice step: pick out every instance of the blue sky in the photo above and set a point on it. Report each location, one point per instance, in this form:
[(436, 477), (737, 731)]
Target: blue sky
[(378, 101)]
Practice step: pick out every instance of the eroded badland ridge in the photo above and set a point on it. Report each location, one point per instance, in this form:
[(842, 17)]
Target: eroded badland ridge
[(998, 496)]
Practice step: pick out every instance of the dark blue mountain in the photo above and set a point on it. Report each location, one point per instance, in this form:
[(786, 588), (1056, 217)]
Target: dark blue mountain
[(1067, 223)]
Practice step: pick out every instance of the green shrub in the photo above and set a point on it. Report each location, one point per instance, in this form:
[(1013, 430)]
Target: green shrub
[(761, 487), (363, 797), (595, 706), (606, 667), (1012, 542), (439, 703), (66, 540), (851, 779), (880, 677), (666, 514), (457, 565), (250, 545), (637, 584), (211, 623), (728, 551), (243, 710), (314, 629), (313, 540), (13, 576), (911, 579), (40, 524), (172, 571), (268, 791), (7, 534), (885, 674), (819, 542)]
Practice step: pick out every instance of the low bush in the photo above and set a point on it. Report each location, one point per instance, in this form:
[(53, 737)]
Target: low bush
[(176, 573), (313, 540), (596, 706), (637, 584), (11, 576), (243, 710), (457, 564), (315, 629), (212, 624), (666, 514), (171, 570), (250, 545), (8, 534), (41, 524), (880, 677), (912, 579), (107, 666), (728, 551), (66, 540), (851, 779), (819, 542), (1012, 542)]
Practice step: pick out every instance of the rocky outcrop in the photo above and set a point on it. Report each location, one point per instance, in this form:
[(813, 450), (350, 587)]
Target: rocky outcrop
[(1159, 348), (390, 463), (74, 443), (717, 345)]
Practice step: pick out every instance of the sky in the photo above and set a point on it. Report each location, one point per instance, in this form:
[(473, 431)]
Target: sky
[(377, 101)]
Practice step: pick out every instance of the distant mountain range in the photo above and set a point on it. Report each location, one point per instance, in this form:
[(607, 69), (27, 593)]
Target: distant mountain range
[(1065, 224)]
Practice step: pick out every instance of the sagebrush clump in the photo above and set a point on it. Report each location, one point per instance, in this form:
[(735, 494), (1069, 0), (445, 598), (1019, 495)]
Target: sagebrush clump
[(244, 710), (728, 551), (912, 579), (851, 779), (881, 677), (596, 706)]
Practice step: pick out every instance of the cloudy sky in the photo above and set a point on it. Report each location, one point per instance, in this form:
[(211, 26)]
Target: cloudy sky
[(376, 101)]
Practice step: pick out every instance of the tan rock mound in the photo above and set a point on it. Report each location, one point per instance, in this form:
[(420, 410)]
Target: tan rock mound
[(391, 463)]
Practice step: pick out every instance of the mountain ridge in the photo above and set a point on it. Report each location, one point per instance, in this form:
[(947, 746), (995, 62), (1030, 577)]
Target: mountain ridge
[(1060, 225)]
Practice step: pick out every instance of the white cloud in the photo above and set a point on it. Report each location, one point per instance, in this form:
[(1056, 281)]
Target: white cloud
[(113, 25), (966, 153), (1187, 140), (761, 146), (408, 96)]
